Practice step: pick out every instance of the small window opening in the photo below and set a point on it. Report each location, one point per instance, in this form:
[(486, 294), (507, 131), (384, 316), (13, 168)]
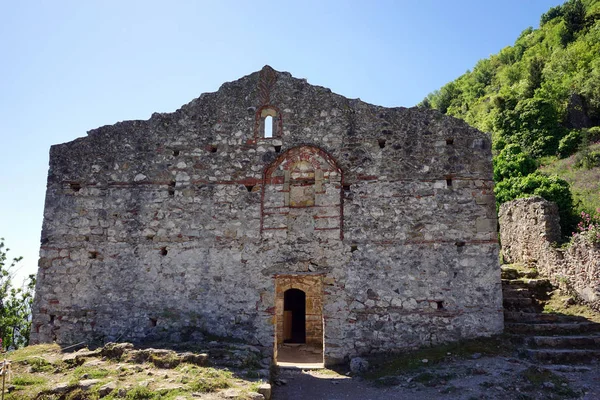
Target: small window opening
[(459, 243), (93, 255), (212, 148), (381, 143), (175, 153), (268, 127), (277, 149), (152, 322), (449, 142), (150, 237), (163, 251), (249, 188), (172, 188), (353, 248), (440, 305), (346, 188), (52, 318), (448, 182), (76, 187)]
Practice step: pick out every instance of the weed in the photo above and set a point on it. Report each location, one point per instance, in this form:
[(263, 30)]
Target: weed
[(210, 380), (385, 365), (27, 380)]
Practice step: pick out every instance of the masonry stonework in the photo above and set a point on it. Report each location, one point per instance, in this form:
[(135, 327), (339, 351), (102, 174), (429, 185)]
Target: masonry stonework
[(529, 231), (194, 222)]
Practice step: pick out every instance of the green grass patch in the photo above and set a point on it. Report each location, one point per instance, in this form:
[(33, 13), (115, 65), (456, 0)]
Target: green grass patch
[(27, 380), (206, 379), (546, 380), (90, 373), (387, 365)]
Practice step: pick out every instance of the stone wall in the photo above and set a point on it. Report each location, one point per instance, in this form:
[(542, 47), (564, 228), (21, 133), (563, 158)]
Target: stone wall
[(184, 224), (529, 231)]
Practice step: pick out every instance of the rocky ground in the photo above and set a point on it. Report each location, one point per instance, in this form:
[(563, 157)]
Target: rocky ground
[(221, 371), (550, 350), (485, 377)]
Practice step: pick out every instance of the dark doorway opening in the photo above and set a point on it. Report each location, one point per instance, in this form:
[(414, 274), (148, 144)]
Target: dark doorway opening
[(294, 316)]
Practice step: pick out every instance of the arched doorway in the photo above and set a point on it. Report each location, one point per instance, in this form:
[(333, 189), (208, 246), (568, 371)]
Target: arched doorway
[(294, 316)]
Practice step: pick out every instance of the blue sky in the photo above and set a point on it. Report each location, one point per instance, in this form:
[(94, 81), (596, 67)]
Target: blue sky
[(70, 66)]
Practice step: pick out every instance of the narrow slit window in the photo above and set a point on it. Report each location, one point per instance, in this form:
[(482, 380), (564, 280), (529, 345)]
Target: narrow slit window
[(268, 127)]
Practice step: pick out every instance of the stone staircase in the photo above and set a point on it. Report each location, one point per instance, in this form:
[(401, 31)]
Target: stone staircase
[(546, 338)]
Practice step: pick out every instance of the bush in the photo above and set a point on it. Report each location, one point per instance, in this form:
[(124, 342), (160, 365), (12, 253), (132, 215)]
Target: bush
[(589, 227), (588, 160), (511, 162), (551, 188), (569, 144)]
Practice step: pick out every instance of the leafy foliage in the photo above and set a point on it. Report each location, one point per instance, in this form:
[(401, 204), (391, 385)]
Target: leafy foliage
[(512, 162), (551, 188), (538, 98), (15, 304)]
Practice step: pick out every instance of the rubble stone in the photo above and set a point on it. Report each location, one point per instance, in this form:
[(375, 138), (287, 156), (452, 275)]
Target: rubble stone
[(195, 224)]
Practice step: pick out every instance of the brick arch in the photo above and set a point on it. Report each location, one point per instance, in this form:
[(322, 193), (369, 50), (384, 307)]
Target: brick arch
[(301, 153), (322, 199)]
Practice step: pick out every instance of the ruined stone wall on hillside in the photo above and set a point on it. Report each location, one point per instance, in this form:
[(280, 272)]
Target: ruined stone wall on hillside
[(186, 224), (529, 231)]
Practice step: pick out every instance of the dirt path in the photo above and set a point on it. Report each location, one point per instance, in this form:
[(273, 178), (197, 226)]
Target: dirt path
[(485, 378)]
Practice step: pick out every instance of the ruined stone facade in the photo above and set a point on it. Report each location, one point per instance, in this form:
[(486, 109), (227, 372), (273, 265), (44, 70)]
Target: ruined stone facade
[(529, 231), (200, 221)]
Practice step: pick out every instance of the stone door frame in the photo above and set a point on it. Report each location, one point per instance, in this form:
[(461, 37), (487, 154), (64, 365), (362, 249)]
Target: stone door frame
[(312, 286)]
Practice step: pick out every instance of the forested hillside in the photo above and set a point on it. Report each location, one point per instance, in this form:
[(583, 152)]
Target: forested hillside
[(540, 99)]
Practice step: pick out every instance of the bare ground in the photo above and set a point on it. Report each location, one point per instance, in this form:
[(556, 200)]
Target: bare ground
[(495, 377)]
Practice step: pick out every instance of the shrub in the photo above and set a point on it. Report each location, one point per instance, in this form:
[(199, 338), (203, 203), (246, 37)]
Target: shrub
[(511, 161), (589, 227), (551, 188), (569, 144)]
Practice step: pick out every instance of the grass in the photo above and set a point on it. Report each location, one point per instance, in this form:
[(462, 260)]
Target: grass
[(538, 379), (38, 369), (561, 303), (585, 183), (386, 365)]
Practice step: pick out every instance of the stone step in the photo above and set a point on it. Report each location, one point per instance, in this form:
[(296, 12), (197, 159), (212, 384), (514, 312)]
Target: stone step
[(518, 301), (563, 356), (550, 328), (537, 317), (514, 273), (516, 292), (527, 283), (566, 342)]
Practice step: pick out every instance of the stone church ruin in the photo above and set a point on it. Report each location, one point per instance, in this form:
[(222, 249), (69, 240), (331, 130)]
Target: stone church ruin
[(272, 211)]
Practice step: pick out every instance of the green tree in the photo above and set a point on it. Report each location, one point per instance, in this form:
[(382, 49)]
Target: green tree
[(15, 303), (551, 188), (512, 162)]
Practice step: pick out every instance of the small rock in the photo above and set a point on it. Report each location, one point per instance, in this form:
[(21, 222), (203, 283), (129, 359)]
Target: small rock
[(265, 390), (476, 356), (11, 388), (548, 385), (256, 396), (106, 389), (122, 392), (61, 388), (358, 365), (424, 361), (85, 376), (86, 384)]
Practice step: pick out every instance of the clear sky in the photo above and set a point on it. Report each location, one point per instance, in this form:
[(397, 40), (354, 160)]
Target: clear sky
[(70, 66)]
